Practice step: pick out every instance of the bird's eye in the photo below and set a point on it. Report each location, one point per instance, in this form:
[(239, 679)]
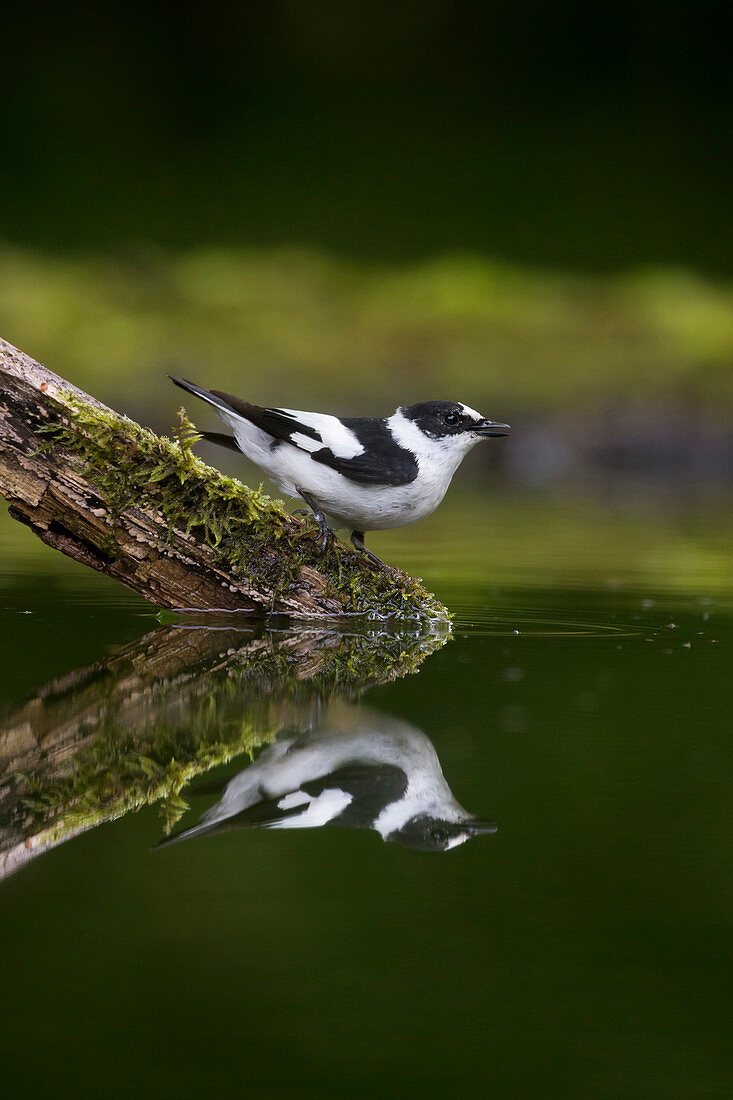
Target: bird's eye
[(452, 418)]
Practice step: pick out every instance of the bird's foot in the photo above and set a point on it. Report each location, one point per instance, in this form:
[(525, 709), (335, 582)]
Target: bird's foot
[(357, 541), (326, 534)]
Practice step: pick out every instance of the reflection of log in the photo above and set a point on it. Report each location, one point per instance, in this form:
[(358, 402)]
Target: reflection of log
[(137, 727), (146, 511)]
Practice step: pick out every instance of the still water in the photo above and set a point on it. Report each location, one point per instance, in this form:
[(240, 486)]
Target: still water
[(548, 914)]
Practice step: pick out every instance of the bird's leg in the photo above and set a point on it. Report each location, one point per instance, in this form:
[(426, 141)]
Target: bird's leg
[(324, 530), (357, 541)]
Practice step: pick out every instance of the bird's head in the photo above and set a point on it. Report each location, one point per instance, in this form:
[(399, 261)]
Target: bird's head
[(451, 425), (435, 834)]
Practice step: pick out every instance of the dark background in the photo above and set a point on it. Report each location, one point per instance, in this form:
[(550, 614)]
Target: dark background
[(563, 133)]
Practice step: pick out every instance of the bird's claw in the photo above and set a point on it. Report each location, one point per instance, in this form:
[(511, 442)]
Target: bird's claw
[(324, 531), (327, 535)]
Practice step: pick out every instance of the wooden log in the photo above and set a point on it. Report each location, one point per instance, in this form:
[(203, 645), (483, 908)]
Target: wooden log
[(145, 510)]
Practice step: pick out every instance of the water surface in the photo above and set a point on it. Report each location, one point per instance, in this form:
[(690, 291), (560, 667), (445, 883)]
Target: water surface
[(583, 949)]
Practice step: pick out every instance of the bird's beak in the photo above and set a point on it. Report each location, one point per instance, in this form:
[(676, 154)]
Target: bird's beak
[(478, 825), (490, 427)]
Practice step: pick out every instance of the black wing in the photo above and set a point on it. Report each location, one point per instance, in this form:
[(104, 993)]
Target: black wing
[(276, 422), (367, 470), (383, 461), (372, 787)]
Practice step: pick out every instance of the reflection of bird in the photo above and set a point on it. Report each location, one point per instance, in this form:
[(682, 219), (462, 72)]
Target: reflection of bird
[(363, 473), (359, 769)]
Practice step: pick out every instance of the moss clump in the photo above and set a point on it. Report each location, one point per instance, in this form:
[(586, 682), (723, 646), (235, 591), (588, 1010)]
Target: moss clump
[(118, 773), (250, 534)]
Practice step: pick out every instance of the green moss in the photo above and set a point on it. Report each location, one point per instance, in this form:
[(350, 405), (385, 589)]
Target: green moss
[(250, 534), (347, 664), (118, 774)]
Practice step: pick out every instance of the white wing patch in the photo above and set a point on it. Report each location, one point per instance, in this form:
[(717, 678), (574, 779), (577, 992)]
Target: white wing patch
[(295, 798), (317, 811), (305, 442), (340, 440)]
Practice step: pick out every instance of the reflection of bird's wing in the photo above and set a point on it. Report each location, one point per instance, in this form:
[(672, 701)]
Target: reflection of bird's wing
[(353, 795), (370, 786)]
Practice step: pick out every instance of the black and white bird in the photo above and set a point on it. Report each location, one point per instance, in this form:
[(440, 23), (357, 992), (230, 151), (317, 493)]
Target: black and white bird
[(358, 769), (361, 473)]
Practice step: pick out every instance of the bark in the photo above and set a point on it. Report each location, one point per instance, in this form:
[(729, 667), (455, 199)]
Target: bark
[(144, 510)]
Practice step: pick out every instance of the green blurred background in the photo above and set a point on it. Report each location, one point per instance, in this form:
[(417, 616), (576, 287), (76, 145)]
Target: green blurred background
[(350, 205)]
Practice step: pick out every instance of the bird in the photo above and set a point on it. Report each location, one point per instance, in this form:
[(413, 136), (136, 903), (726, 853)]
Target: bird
[(356, 768), (360, 473)]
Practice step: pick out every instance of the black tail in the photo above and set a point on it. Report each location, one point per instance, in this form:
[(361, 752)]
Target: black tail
[(205, 395), (184, 834), (222, 440)]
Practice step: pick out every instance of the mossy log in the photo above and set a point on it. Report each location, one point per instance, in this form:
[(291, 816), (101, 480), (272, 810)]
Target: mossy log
[(136, 727), (145, 510)]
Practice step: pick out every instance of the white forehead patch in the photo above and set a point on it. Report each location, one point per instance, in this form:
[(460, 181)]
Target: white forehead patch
[(462, 837), (471, 412)]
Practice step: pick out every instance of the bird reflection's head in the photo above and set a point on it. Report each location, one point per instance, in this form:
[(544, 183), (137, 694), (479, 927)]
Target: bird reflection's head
[(433, 834)]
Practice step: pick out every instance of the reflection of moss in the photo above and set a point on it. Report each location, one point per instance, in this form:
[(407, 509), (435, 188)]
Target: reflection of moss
[(338, 664), (122, 771), (249, 533)]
